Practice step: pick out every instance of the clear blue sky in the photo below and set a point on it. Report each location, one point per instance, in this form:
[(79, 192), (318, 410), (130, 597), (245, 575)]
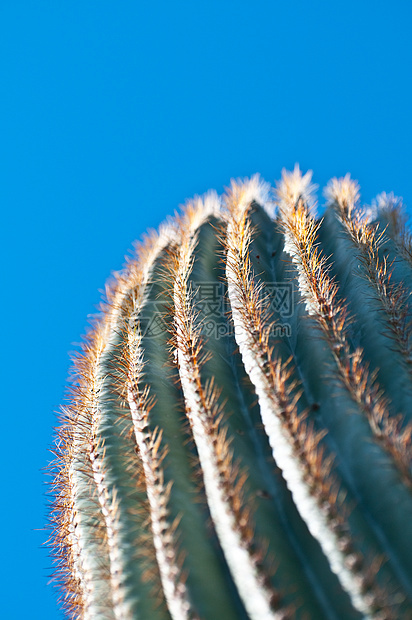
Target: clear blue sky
[(112, 113)]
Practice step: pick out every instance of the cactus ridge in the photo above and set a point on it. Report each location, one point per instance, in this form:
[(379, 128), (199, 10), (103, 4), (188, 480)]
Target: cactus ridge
[(224, 457), (389, 209), (391, 297)]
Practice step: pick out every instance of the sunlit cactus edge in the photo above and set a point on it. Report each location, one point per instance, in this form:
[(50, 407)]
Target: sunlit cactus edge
[(237, 438)]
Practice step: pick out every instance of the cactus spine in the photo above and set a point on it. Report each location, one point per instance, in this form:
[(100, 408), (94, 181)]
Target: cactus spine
[(222, 457)]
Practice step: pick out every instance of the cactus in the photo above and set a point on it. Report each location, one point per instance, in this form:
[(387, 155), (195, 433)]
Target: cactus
[(237, 442)]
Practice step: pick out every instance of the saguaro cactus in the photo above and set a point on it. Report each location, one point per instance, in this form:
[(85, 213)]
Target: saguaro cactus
[(238, 438)]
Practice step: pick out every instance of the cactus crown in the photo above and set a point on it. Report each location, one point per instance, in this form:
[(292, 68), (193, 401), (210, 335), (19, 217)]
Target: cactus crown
[(238, 438)]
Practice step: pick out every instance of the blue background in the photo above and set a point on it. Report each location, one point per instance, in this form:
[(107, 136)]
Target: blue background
[(112, 114)]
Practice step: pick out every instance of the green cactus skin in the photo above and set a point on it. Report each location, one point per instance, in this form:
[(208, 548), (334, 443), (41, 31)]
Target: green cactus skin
[(224, 456)]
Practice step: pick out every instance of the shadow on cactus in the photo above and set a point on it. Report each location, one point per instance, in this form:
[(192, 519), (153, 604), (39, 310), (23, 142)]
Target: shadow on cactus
[(238, 438)]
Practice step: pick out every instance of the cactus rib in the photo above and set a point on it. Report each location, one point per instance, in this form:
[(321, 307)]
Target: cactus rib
[(367, 238), (389, 207), (149, 446)]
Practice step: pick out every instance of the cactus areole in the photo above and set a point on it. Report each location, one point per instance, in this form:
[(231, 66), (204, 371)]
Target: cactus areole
[(237, 442)]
